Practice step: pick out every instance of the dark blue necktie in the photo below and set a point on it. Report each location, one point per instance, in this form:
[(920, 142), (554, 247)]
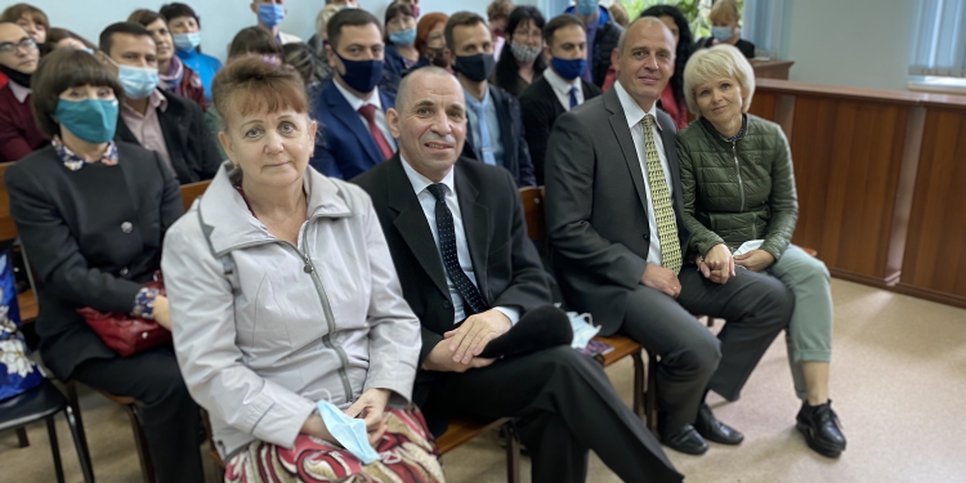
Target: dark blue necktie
[(573, 97), (474, 302)]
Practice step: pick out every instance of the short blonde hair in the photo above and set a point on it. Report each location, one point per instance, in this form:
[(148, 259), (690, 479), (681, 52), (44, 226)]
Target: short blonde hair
[(726, 11), (722, 60)]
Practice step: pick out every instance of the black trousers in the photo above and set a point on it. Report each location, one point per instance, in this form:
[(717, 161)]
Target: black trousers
[(756, 307), (172, 421), (565, 405)]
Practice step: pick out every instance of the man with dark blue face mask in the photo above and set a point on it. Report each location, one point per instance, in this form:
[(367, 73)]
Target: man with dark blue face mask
[(270, 14), (560, 89), (160, 121), (602, 36), (351, 107), (494, 121)]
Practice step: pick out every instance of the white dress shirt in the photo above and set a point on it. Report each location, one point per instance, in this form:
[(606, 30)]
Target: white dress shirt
[(635, 117), (356, 103), (427, 201), (561, 87)]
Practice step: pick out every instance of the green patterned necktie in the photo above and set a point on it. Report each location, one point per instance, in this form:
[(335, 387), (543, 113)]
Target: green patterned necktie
[(667, 226)]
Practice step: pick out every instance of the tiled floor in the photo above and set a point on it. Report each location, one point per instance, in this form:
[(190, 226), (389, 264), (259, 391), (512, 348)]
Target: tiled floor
[(898, 384)]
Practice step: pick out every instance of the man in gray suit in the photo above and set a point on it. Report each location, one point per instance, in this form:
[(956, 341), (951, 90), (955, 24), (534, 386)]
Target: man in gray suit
[(620, 248)]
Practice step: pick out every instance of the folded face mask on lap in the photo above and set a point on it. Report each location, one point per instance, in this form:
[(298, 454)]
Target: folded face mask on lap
[(349, 432)]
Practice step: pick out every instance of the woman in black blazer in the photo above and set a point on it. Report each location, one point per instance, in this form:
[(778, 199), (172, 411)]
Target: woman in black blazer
[(91, 214)]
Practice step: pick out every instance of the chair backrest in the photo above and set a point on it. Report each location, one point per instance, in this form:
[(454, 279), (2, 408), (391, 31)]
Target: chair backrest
[(8, 229), (532, 199), (191, 191)]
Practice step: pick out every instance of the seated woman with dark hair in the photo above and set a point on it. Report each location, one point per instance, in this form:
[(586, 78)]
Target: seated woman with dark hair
[(401, 54), (521, 60), (289, 320), (175, 76), (741, 209), (672, 98), (185, 28), (91, 214)]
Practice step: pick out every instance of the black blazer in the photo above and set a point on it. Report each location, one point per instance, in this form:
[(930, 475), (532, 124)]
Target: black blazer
[(597, 206), (541, 109), (93, 237), (516, 155), (191, 146), (507, 267)]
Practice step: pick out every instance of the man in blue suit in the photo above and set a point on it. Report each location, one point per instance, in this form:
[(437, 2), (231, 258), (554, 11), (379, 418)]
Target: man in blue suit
[(350, 108), (494, 121)]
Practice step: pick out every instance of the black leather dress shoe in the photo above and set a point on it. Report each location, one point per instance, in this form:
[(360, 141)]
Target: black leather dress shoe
[(820, 426), (686, 440), (714, 430)]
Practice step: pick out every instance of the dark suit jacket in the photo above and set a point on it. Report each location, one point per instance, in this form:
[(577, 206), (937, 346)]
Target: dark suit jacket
[(93, 237), (191, 146), (19, 134), (506, 264), (597, 207), (347, 147), (516, 155), (541, 109)]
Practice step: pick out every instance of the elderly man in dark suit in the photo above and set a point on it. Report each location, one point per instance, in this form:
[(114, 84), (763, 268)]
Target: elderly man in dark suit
[(456, 233), (560, 89), (620, 249)]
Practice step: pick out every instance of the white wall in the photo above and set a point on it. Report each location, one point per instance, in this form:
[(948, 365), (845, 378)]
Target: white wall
[(220, 19), (861, 43)]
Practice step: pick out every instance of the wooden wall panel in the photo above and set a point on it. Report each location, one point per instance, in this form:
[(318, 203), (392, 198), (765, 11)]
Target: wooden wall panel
[(934, 265)]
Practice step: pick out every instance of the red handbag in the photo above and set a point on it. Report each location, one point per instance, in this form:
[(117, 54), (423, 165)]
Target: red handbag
[(124, 333)]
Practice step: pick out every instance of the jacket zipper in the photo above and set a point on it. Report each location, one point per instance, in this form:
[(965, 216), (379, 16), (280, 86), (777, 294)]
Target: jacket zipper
[(741, 185)]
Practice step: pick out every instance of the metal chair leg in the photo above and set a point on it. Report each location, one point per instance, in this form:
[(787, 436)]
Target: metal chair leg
[(650, 396), (80, 444), (639, 408), (22, 439), (512, 453), (55, 448), (140, 440)]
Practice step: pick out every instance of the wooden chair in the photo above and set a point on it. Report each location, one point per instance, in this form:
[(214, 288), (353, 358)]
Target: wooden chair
[(645, 405), (191, 191), (460, 431)]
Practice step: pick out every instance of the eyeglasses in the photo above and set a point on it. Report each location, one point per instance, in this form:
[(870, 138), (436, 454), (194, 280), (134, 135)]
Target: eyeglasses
[(27, 43)]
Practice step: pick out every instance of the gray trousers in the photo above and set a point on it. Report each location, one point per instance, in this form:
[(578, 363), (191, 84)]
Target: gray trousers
[(756, 306)]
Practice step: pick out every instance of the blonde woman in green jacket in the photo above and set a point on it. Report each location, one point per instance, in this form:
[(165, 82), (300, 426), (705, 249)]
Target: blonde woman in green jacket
[(741, 208)]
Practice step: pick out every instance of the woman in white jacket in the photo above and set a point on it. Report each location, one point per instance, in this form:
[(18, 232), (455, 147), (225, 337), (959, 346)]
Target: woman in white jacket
[(284, 299)]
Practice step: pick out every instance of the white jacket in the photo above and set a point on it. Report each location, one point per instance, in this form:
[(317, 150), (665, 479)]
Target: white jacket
[(264, 329)]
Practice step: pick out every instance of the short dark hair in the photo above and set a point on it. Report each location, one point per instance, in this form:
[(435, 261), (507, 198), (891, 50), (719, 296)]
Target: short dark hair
[(460, 19), (60, 70), (253, 40), (174, 10), (260, 85), (145, 17), (398, 8), (507, 69), (355, 17), (559, 22), (129, 28)]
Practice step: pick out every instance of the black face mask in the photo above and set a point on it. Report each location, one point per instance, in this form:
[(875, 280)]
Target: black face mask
[(16, 76), (476, 68)]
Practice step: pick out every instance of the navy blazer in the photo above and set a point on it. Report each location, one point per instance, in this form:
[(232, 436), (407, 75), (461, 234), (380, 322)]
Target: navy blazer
[(346, 148), (516, 155)]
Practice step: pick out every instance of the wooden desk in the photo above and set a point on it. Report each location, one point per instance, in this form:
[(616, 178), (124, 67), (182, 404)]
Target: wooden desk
[(771, 69)]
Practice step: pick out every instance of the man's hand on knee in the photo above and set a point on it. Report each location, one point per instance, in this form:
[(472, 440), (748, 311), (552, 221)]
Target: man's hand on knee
[(662, 279), (440, 359)]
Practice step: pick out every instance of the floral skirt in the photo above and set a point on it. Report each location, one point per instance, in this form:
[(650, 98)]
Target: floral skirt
[(407, 454)]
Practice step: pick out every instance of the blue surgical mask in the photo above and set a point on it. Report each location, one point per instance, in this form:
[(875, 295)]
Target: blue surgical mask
[(138, 82), (569, 69), (722, 33), (271, 14), (188, 41), (349, 432), (403, 38), (93, 120), (362, 75), (587, 8)]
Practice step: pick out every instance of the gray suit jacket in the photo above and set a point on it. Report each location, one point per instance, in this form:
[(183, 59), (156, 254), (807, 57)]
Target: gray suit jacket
[(597, 207)]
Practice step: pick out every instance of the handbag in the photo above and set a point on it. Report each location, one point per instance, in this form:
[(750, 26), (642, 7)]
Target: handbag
[(125, 333)]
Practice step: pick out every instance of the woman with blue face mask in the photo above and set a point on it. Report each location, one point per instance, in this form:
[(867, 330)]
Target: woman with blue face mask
[(92, 213), (185, 27), (725, 19), (401, 52)]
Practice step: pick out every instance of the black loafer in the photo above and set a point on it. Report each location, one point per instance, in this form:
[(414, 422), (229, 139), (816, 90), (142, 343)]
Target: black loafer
[(821, 428), (686, 440), (714, 430)]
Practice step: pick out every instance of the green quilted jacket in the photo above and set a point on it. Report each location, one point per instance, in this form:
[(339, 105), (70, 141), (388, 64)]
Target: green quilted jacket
[(738, 191)]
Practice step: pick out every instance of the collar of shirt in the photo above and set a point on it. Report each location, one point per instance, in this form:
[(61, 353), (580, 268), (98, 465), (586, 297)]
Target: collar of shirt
[(420, 182), (562, 86), (632, 111), (478, 104), (73, 162), (155, 101), (355, 102), (19, 91)]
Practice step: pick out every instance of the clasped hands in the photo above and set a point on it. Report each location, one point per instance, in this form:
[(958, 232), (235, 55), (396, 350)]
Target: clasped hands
[(718, 265), (371, 407), (460, 348)]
